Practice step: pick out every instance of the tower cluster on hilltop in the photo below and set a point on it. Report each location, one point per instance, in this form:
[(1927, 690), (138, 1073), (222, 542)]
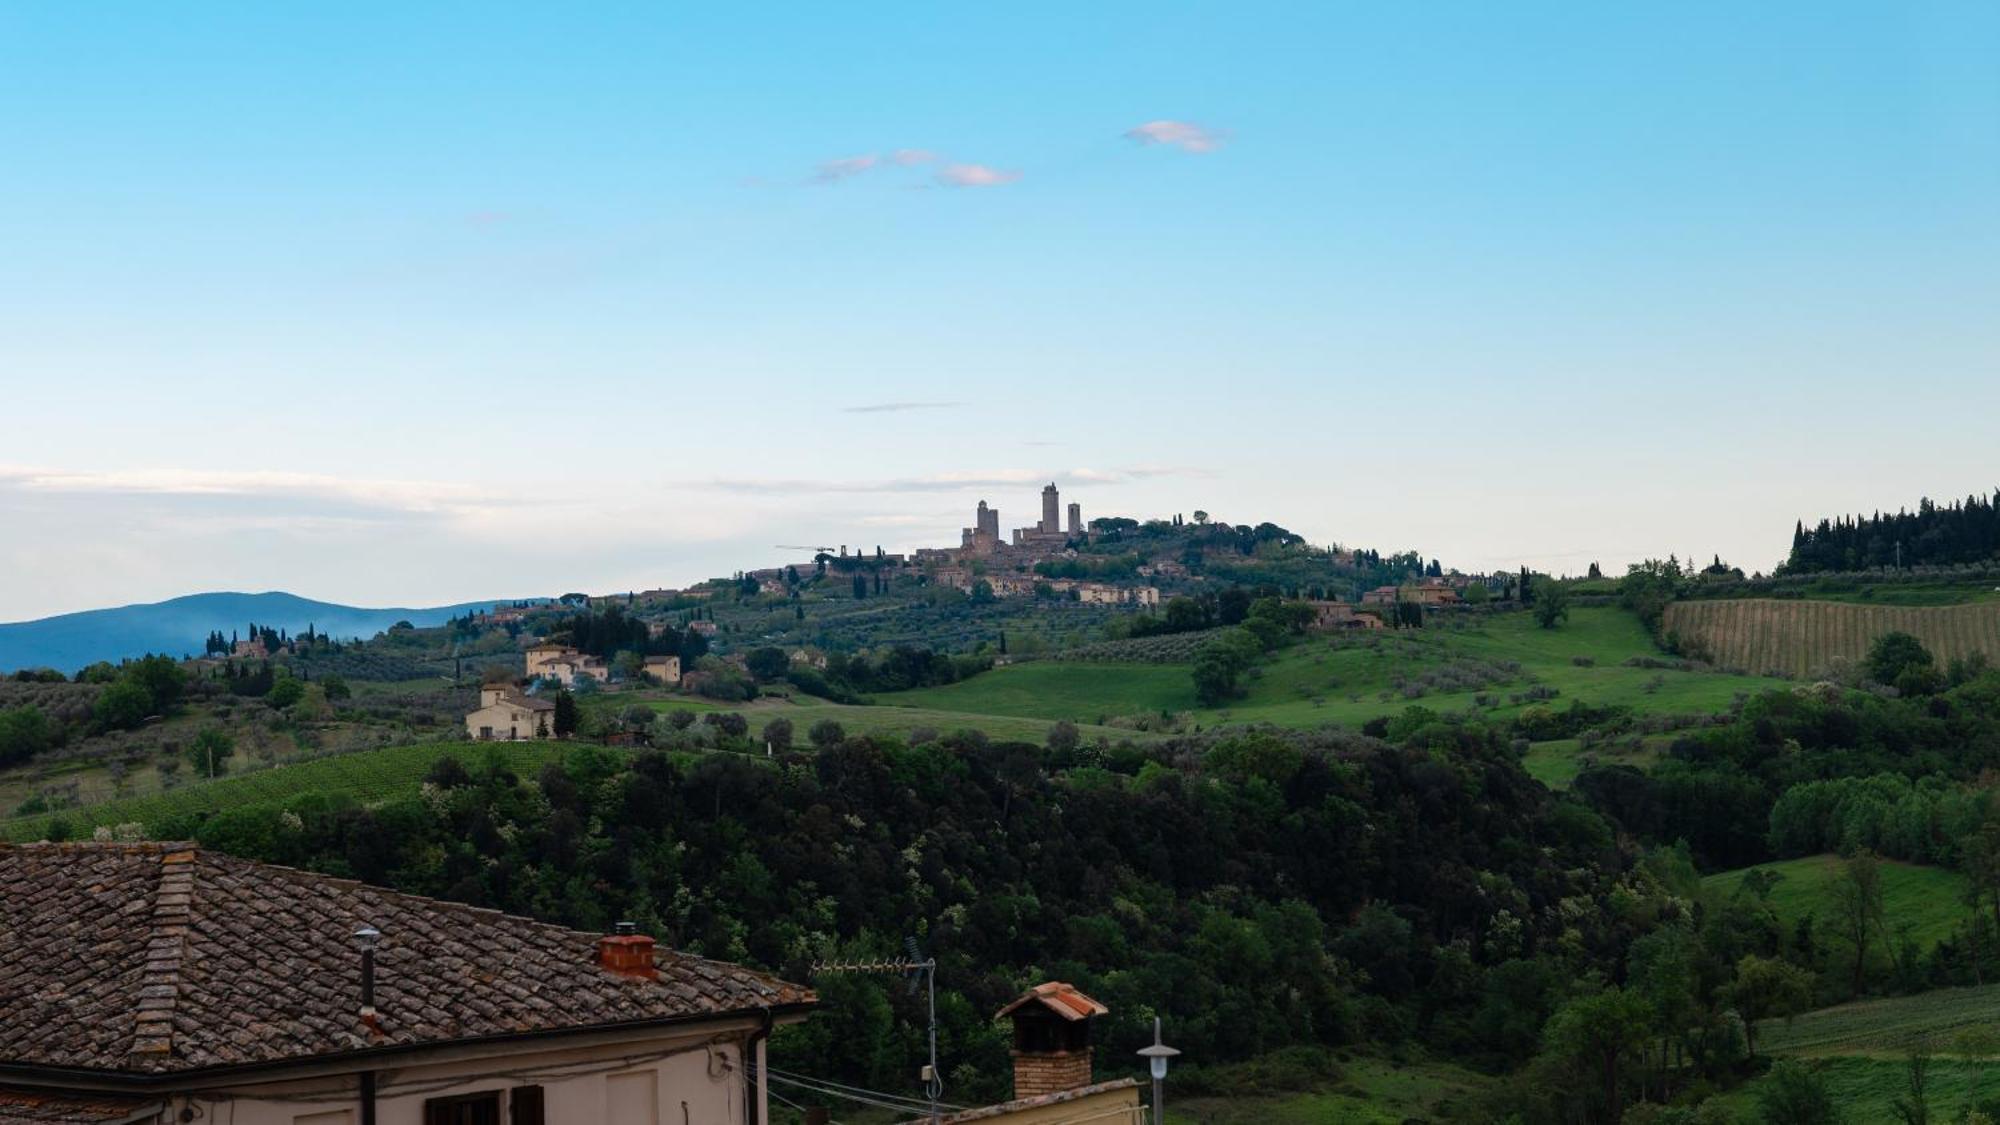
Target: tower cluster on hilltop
[(1048, 533)]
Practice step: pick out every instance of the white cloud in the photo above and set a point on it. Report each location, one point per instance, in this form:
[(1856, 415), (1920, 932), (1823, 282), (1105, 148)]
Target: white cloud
[(953, 482), (975, 175), (847, 167), (910, 157), (384, 494), (1183, 135), (897, 407)]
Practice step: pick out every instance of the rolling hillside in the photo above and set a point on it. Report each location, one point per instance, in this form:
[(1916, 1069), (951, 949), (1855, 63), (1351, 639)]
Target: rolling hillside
[(1321, 681), (1802, 638), (177, 626), (1928, 900)]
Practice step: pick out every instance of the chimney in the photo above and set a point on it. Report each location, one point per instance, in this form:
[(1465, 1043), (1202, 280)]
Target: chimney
[(628, 953), (1051, 1038)]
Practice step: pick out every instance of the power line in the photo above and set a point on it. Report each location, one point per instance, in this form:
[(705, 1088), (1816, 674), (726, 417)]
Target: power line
[(862, 1097), (808, 1080)]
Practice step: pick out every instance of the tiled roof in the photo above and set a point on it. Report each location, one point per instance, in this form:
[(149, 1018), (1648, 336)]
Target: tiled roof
[(28, 1107), (516, 698), (162, 957), (1059, 997)]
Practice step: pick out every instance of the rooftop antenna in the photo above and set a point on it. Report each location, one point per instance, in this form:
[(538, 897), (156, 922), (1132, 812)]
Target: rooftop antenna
[(911, 967)]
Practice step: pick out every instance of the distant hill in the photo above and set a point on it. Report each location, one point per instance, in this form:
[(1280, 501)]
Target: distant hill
[(179, 626)]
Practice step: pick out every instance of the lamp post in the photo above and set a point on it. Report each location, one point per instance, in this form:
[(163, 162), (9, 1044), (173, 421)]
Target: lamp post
[(1156, 1057)]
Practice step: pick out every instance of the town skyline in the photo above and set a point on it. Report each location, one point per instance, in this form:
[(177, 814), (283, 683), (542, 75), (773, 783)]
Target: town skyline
[(669, 288)]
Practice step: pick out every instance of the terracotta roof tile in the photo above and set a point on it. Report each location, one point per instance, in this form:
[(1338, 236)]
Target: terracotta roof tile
[(1059, 997), (163, 957), (28, 1107)]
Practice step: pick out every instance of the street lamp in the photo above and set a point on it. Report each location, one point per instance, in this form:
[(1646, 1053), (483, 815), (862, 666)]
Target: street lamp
[(1156, 1057)]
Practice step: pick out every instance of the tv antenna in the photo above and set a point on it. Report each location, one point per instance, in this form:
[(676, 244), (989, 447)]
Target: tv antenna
[(913, 967)]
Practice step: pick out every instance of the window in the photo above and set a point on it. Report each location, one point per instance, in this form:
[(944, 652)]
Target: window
[(465, 1109), (524, 1106)]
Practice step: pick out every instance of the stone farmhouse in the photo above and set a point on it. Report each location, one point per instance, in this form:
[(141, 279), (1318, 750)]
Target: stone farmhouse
[(665, 669), (564, 664), (1333, 616), (506, 715), (157, 983)]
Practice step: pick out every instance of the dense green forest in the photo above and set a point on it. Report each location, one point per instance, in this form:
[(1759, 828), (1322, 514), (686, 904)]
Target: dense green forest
[(1406, 889), (1965, 531)]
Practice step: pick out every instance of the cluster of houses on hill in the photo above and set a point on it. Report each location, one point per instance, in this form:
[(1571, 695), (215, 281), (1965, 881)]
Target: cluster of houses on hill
[(1028, 585), (155, 983), (1432, 592), (565, 665), (508, 714)]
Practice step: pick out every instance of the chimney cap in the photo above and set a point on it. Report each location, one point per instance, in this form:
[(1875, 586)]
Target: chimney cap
[(1059, 997), (626, 929), (367, 936)]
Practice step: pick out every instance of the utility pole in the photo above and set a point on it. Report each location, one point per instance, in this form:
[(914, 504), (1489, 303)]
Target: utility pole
[(908, 968)]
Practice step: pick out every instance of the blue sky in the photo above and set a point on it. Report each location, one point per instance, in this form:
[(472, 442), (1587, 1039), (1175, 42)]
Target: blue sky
[(389, 305)]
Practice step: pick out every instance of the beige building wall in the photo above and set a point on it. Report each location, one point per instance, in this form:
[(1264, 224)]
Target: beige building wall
[(506, 721), (541, 656), (634, 1081)]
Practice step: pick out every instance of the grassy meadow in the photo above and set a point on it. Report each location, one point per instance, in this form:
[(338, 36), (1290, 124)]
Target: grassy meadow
[(1862, 1049), (1928, 900), (365, 776), (1368, 1091), (1349, 680)]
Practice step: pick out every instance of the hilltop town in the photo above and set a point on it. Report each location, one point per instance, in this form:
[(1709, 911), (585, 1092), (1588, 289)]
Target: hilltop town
[(865, 765)]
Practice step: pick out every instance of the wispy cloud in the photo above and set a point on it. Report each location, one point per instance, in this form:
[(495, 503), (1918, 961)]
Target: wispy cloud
[(955, 482), (975, 175), (897, 407), (1183, 135), (847, 167), (910, 157), (382, 494)]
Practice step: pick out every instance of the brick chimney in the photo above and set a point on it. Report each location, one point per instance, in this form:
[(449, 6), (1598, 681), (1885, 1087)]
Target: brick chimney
[(1051, 1038), (627, 953)]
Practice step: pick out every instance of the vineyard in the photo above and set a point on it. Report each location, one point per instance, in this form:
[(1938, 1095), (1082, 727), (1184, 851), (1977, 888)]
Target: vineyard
[(365, 776), (1803, 638)]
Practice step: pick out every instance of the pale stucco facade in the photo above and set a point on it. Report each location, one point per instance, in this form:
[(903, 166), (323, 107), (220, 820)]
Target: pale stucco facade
[(644, 1077), (507, 716)]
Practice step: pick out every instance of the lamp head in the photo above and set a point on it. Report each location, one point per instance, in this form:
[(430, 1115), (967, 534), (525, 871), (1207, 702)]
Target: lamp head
[(1158, 1054)]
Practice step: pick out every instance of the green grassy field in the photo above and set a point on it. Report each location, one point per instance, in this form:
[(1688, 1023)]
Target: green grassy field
[(1926, 899), (1369, 1092), (1862, 1050), (1318, 682), (368, 775), (1803, 638), (1889, 1027), (1901, 593), (1867, 1089), (804, 711)]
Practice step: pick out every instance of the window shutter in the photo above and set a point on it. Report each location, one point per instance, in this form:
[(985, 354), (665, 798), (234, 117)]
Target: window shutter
[(525, 1106)]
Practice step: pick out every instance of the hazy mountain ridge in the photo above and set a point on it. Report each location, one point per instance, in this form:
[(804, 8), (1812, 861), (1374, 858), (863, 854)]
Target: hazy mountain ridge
[(179, 625)]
